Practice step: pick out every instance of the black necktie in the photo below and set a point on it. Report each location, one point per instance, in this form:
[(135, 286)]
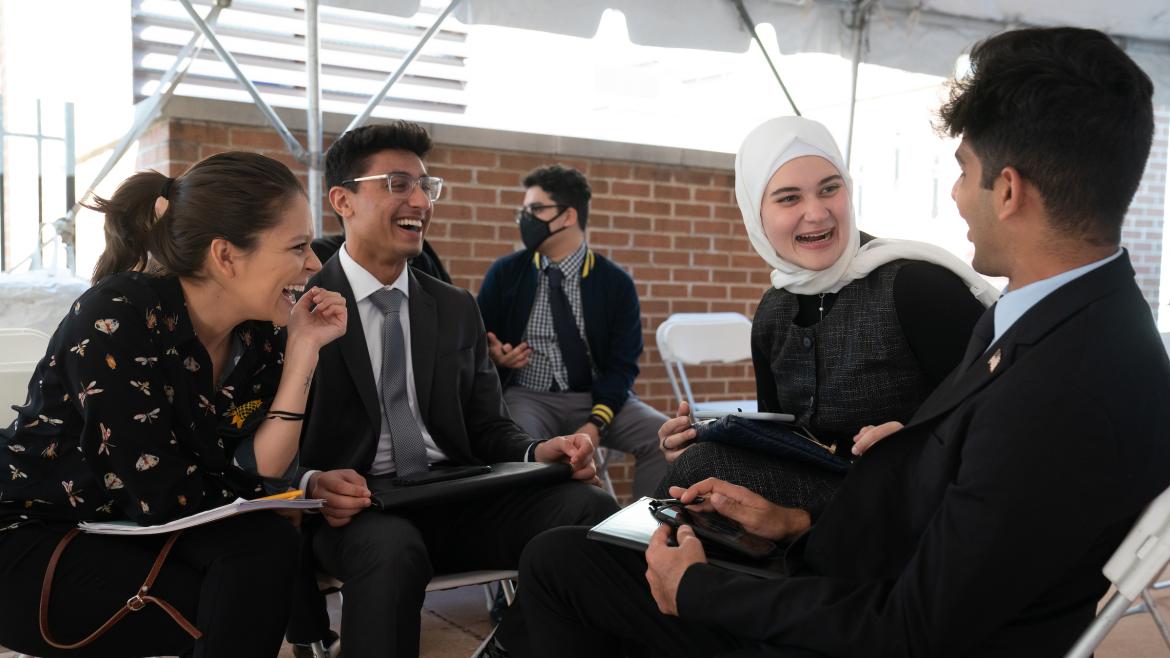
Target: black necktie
[(981, 337), (573, 350)]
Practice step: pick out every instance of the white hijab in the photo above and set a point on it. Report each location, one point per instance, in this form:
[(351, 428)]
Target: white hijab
[(774, 143)]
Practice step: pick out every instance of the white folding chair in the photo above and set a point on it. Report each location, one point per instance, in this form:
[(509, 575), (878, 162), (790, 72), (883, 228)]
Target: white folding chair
[(20, 351), (704, 338), (506, 578), (1134, 565)]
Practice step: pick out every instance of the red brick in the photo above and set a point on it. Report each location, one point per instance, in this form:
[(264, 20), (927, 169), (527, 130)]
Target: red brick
[(630, 189), (451, 211), (468, 266), (450, 174), (497, 215), (473, 194), (650, 274), (254, 138), (652, 173), (673, 225), (692, 177), (627, 257), (474, 158), (651, 208), (715, 260), (631, 223), (746, 292), (716, 195), (670, 258), (598, 186), (688, 243), (513, 198), (471, 231), (610, 170), (492, 250), (668, 291), (730, 276), (610, 238), (523, 163), (728, 212), (439, 154), (652, 241), (692, 210), (672, 192), (717, 227), (204, 133), (689, 306), (691, 275), (499, 178)]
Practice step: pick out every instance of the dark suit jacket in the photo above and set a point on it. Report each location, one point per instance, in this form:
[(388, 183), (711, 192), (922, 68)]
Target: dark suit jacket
[(458, 389), (982, 527)]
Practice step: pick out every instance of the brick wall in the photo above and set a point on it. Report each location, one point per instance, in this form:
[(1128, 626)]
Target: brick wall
[(1142, 232)]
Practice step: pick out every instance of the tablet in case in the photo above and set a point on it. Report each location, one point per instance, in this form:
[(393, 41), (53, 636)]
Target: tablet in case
[(389, 495)]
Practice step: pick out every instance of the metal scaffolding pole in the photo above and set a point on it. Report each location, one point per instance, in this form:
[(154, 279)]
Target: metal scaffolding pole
[(377, 98), (285, 134), (313, 96), (860, 15)]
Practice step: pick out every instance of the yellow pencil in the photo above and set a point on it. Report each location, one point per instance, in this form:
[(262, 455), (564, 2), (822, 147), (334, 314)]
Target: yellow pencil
[(288, 495)]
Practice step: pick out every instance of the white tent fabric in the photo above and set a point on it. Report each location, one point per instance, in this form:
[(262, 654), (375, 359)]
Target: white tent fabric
[(924, 36)]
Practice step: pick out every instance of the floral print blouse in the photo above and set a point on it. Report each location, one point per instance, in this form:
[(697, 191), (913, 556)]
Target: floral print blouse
[(123, 420)]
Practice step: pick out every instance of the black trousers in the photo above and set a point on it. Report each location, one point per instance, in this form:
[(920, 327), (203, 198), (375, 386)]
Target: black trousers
[(230, 578), (386, 560), (581, 598)]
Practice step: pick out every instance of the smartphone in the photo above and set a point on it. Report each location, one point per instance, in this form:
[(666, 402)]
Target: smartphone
[(750, 415), (715, 528)]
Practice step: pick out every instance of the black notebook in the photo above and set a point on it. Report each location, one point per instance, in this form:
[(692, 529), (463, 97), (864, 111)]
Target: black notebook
[(632, 526), (387, 494)]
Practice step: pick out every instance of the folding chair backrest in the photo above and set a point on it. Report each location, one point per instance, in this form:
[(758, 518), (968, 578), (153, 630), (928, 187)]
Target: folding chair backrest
[(20, 351), (697, 338), (1142, 555)]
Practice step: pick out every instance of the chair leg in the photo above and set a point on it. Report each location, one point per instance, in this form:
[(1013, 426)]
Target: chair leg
[(1108, 617), (509, 590), (489, 596), (1152, 608)]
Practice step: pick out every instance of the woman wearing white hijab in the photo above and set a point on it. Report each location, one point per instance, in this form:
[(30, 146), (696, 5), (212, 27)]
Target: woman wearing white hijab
[(855, 331)]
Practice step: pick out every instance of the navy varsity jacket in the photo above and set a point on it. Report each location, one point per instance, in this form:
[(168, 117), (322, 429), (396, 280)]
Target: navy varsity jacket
[(613, 320)]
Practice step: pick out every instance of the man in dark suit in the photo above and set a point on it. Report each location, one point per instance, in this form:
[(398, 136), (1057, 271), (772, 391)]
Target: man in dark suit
[(408, 386), (980, 528)]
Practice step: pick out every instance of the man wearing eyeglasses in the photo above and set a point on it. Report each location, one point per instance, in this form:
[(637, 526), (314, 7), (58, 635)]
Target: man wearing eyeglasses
[(565, 329), (408, 387)]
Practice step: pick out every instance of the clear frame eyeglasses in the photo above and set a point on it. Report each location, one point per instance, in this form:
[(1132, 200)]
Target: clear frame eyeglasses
[(403, 184)]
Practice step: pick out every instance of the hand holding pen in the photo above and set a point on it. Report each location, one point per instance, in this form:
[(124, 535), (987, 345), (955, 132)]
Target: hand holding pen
[(676, 434)]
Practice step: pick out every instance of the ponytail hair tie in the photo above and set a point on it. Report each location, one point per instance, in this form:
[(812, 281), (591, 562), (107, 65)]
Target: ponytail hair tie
[(166, 189)]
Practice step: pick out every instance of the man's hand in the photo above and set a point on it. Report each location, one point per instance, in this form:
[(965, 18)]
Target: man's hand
[(506, 356), (869, 435), (755, 513), (665, 565), (676, 434), (590, 430), (576, 450), (345, 494)]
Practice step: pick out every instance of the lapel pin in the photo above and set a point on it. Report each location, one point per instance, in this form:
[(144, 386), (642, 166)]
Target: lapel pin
[(993, 362)]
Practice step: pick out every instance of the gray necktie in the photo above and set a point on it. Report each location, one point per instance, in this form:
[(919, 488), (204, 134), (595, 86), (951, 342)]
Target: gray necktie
[(410, 455)]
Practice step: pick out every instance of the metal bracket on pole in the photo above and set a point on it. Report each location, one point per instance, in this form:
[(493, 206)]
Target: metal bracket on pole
[(285, 134), (751, 27), (149, 109), (377, 98), (861, 10)]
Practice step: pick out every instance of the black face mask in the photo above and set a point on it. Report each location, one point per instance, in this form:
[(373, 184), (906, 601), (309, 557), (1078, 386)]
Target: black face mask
[(534, 231)]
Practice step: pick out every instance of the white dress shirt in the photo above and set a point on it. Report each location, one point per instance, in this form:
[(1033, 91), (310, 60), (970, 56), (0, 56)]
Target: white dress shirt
[(363, 285)]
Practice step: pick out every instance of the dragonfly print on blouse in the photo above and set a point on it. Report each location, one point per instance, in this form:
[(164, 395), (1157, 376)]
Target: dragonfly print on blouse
[(123, 419)]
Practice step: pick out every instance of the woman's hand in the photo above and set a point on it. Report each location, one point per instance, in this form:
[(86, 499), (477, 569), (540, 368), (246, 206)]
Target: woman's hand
[(318, 318), (676, 434), (871, 434)]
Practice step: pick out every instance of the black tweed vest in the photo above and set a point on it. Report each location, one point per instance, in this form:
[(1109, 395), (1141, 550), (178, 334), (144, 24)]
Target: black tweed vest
[(852, 368)]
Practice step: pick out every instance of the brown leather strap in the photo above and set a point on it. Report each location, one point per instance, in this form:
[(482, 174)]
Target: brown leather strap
[(133, 604)]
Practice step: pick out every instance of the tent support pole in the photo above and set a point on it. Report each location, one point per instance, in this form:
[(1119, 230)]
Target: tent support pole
[(751, 27)]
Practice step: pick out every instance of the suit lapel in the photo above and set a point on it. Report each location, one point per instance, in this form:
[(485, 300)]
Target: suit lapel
[(1040, 320), (424, 323), (354, 351)]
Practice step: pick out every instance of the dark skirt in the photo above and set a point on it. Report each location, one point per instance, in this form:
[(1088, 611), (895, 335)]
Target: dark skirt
[(786, 482)]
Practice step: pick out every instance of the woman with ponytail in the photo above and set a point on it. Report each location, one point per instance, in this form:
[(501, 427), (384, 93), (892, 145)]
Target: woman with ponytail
[(174, 385), (854, 333)]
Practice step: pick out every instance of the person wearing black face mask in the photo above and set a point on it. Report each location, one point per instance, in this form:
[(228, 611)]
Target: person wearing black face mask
[(565, 331)]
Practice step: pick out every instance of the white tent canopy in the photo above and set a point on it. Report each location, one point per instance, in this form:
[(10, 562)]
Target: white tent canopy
[(923, 36)]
